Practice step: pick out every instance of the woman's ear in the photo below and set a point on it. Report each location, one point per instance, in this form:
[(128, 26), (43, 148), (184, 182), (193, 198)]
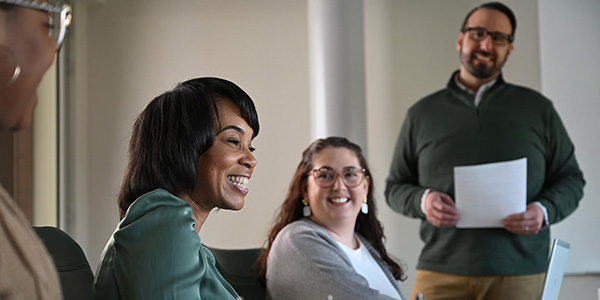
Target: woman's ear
[(304, 190), (367, 182)]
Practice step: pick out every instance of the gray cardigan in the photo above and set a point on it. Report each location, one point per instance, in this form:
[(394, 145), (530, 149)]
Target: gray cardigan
[(305, 262)]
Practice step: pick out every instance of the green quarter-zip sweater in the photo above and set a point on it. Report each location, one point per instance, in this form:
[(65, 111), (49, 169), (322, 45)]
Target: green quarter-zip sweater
[(446, 129)]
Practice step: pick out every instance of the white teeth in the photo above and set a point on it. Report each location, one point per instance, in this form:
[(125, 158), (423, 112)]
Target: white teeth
[(479, 56), (239, 181), (339, 200)]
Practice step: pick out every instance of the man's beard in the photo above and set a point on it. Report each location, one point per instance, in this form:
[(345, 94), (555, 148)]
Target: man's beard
[(481, 71)]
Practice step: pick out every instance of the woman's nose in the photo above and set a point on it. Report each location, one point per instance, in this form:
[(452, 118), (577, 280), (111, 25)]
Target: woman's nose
[(249, 160), (339, 184)]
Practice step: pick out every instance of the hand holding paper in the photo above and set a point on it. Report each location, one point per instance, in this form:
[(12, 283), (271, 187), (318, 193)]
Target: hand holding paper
[(440, 210), (529, 222)]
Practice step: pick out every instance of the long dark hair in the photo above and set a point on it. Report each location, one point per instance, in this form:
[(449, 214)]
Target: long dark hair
[(173, 131), (291, 210)]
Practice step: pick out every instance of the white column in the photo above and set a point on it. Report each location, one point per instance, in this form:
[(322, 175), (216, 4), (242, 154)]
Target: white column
[(337, 70)]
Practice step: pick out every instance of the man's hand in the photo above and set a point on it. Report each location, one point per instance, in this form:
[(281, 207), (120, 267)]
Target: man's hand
[(440, 210), (526, 223)]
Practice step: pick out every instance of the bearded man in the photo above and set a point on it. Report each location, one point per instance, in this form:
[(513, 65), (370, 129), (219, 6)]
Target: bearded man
[(478, 119)]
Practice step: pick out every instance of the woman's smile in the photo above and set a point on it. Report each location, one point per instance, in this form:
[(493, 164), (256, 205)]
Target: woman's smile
[(239, 182)]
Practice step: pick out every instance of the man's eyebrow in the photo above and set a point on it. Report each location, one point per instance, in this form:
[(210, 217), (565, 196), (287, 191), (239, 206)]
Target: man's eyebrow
[(233, 127)]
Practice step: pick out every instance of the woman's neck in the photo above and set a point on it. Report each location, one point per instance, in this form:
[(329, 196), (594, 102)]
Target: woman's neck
[(198, 214), (344, 234)]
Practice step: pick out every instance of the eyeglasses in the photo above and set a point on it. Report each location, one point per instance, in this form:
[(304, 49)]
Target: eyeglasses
[(479, 34), (325, 177), (60, 17)]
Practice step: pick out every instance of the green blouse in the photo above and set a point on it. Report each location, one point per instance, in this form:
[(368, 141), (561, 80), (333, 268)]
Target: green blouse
[(155, 254)]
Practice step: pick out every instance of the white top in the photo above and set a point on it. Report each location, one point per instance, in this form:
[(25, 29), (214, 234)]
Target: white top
[(365, 265)]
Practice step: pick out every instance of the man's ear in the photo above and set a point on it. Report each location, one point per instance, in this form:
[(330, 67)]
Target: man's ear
[(459, 40), (509, 51)]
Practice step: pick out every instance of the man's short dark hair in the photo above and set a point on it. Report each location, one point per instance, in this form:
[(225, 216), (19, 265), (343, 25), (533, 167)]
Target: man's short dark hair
[(495, 6)]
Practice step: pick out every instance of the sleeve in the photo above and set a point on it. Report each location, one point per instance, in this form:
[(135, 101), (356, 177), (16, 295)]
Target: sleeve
[(157, 256), (402, 191), (563, 186), (309, 266)]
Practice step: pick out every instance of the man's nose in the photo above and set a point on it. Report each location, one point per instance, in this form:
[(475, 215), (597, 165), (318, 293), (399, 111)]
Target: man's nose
[(487, 43)]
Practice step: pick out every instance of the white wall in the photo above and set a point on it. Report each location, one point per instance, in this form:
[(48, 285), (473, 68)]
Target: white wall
[(130, 51), (570, 72)]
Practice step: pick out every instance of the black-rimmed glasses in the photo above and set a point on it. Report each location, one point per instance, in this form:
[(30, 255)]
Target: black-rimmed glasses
[(325, 177), (479, 34), (60, 17)]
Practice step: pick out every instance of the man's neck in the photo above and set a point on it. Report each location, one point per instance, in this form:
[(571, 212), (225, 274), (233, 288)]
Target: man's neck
[(471, 82)]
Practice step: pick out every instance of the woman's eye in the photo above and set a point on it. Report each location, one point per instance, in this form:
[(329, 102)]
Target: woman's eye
[(252, 149), (325, 175), (351, 174), (235, 142)]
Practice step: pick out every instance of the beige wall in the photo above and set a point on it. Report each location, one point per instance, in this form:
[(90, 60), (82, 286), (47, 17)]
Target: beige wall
[(138, 49), (44, 152), (127, 52)]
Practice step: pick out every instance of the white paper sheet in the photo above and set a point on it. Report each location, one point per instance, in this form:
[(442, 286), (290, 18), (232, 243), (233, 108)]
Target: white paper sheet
[(486, 194)]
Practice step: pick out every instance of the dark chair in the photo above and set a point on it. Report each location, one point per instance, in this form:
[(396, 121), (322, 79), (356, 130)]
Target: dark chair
[(237, 266), (74, 272)]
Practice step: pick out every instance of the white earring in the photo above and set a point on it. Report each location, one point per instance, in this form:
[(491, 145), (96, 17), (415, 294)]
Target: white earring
[(306, 209), (365, 207)]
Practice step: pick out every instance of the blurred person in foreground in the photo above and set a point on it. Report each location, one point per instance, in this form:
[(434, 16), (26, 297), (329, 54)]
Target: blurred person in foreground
[(31, 33)]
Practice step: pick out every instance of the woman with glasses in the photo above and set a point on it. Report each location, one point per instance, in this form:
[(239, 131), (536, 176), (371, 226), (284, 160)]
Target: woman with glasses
[(27, 49), (327, 242)]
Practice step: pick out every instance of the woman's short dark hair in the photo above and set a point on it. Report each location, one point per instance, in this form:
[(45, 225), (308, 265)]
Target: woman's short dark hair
[(173, 131), (291, 210), (495, 6)]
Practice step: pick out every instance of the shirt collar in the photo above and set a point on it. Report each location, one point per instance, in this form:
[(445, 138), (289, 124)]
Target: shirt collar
[(482, 89)]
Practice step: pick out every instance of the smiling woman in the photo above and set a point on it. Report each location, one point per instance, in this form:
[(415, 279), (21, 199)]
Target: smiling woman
[(327, 242), (224, 170), (190, 152)]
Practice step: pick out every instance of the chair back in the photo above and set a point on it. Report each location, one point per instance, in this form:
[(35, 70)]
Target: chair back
[(237, 267), (74, 272)]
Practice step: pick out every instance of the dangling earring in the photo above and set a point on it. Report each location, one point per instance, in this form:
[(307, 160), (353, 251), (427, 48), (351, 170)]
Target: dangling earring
[(306, 209), (17, 70), (365, 207)]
